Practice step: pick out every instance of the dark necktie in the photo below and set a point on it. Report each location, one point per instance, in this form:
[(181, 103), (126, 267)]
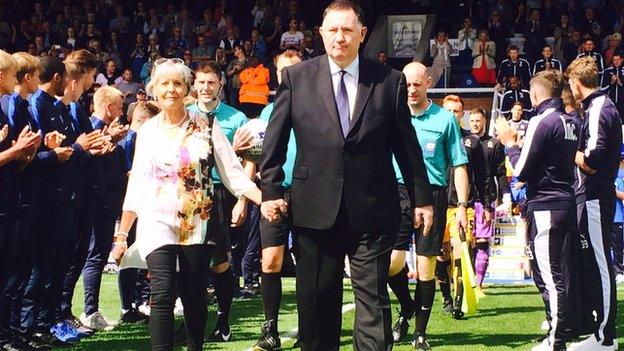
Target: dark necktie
[(342, 102)]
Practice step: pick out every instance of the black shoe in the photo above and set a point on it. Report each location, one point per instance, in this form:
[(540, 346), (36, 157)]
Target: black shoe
[(13, 346), (221, 334), (420, 342), (36, 345), (447, 306), (457, 308), (82, 329), (401, 326), (49, 339), (133, 316), (179, 338), (458, 314), (269, 338)]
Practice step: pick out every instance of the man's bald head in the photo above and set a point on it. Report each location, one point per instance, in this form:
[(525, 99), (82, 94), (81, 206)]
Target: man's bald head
[(418, 81)]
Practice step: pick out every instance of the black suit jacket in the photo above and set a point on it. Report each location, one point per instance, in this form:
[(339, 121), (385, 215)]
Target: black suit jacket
[(330, 168)]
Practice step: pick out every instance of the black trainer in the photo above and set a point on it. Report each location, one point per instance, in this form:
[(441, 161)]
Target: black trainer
[(179, 338), (35, 345), (420, 342), (447, 306), (457, 308), (133, 316), (401, 326), (49, 339), (221, 332), (269, 338)]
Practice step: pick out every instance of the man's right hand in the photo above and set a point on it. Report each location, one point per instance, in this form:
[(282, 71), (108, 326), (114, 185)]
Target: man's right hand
[(53, 140), (63, 153), (91, 140), (272, 210), (27, 142), (423, 216)]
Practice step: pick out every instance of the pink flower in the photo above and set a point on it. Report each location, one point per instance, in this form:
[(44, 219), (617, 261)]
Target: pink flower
[(185, 157)]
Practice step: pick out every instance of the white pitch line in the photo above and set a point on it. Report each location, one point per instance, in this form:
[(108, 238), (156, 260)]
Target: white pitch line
[(291, 334)]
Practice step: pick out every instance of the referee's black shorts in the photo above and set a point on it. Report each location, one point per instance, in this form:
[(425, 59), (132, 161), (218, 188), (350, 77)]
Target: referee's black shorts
[(220, 221), (430, 245), (276, 233)]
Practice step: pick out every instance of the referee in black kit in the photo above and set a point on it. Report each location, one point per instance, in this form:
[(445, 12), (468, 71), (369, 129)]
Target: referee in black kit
[(546, 164)]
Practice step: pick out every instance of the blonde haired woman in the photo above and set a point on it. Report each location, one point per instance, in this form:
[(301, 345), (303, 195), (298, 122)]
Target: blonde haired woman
[(483, 54), (170, 190)]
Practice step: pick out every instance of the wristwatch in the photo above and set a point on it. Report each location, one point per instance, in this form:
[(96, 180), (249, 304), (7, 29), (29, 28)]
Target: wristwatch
[(464, 204)]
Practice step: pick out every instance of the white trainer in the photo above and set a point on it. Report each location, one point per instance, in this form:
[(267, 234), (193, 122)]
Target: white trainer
[(545, 326), (591, 344), (178, 310), (97, 321)]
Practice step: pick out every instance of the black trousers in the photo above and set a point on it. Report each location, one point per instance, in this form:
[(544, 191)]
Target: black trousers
[(550, 236), (595, 265), (617, 242), (320, 265), (190, 282)]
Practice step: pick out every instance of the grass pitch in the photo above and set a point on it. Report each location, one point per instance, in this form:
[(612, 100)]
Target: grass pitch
[(509, 317)]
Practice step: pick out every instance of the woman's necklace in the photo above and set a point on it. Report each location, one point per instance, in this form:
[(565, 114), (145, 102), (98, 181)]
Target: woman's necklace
[(172, 126)]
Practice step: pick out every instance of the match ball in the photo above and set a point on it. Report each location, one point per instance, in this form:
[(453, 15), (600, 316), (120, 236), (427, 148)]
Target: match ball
[(257, 128)]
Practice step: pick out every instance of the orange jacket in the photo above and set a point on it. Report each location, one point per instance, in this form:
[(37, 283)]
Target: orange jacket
[(254, 85)]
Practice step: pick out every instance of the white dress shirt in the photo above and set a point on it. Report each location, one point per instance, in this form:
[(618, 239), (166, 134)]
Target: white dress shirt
[(350, 79)]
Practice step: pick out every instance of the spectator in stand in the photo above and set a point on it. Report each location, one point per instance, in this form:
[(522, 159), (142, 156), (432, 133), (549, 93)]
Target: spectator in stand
[(221, 59), (259, 49), (258, 12), (307, 50), (90, 34), (39, 45), (208, 30), (203, 51), (49, 38), (232, 72), (248, 47), (121, 23), (114, 48), (317, 41), (534, 32), (152, 44), (613, 43), (499, 32), (229, 43), (189, 60), (563, 34), (138, 55), (483, 54), (441, 51), (382, 57), (177, 42), (612, 81), (141, 96), (514, 94), (547, 61), (590, 26), (466, 37), (108, 77), (127, 86), (572, 48), (518, 119), (514, 66), (588, 50), (22, 37), (71, 37), (292, 38), (154, 25), (521, 17), (187, 25), (95, 46), (254, 91)]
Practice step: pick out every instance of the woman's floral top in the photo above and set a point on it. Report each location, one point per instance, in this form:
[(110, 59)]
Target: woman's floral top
[(170, 185)]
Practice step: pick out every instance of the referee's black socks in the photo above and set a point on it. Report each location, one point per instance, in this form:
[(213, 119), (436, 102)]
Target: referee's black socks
[(224, 290), (425, 292), (400, 286), (442, 274), (271, 295)]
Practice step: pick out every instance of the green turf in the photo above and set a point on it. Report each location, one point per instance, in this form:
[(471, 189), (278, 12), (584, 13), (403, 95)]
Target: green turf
[(508, 319)]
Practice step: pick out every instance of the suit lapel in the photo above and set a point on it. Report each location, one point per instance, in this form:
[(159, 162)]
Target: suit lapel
[(364, 89), (325, 89)]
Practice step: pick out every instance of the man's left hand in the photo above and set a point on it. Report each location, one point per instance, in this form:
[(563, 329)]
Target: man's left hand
[(423, 216), (461, 219)]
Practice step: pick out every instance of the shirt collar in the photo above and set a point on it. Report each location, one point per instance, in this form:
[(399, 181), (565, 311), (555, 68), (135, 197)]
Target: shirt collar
[(555, 103), (587, 101), (427, 110), (352, 68)]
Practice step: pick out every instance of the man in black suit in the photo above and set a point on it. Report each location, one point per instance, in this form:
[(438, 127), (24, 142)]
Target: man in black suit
[(349, 116)]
